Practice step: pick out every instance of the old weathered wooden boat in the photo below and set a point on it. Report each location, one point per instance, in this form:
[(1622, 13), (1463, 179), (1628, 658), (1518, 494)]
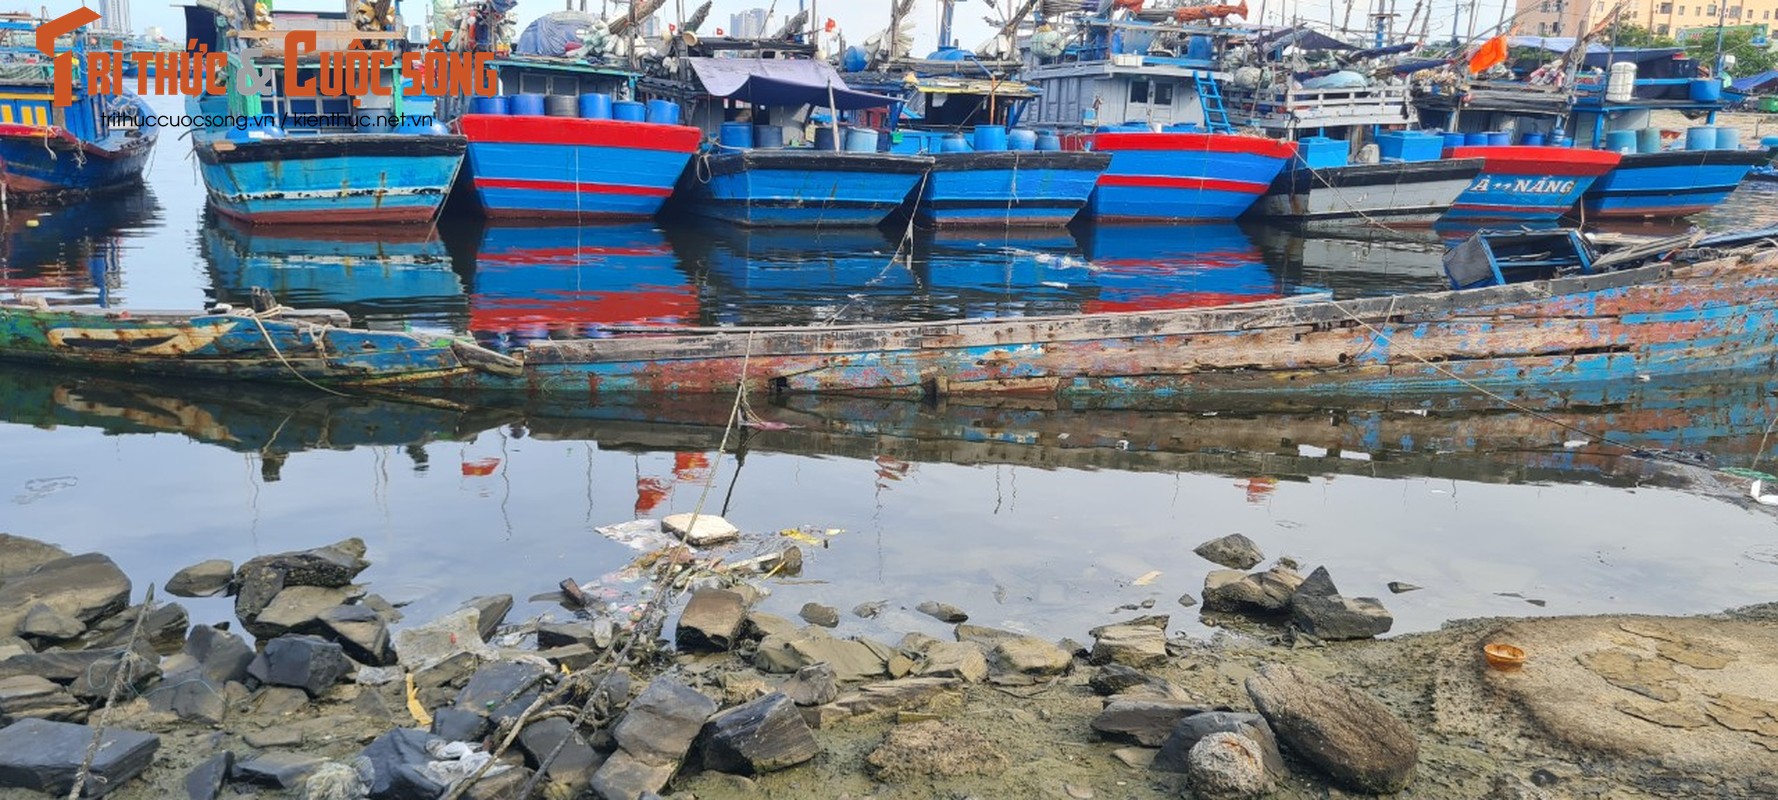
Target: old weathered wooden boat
[(268, 343), (1702, 311)]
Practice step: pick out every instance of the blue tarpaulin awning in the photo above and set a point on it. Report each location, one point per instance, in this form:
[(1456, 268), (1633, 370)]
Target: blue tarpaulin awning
[(782, 82), (1754, 83)]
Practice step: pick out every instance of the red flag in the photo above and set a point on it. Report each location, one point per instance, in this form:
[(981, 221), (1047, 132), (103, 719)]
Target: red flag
[(831, 25), (1489, 56)]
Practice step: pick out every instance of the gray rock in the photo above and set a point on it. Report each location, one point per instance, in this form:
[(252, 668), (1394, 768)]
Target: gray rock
[(711, 621), (1175, 751), (1267, 592), (563, 634), (573, 656), (274, 737), (85, 588), (882, 698), (1345, 732), (1234, 551), (625, 777), (574, 767), (983, 635), (14, 646), (223, 655), (43, 622), (851, 660), (398, 766), (296, 609), (1116, 679), (164, 628), (491, 610), (1144, 722), (1030, 655), (19, 555), (67, 666), (1140, 642), (869, 610), (45, 756), (818, 614), (255, 586), (813, 685), (1228, 766), (459, 725), (203, 579), (1318, 584), (1507, 786), (192, 698), (760, 624), (393, 615), (261, 579), (943, 612), (1397, 587), (1187, 600), (963, 660), (94, 682), (1336, 618), (662, 721), (360, 632), (277, 770), (30, 696), (765, 735), (205, 781), (310, 663), (496, 689)]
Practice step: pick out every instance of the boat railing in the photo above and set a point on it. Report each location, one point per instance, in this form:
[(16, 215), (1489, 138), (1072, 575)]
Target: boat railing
[(1280, 107)]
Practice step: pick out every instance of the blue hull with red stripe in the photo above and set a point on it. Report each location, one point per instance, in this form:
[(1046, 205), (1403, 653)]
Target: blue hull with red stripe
[(1669, 185), (802, 187), (1527, 184), (1008, 188), (531, 167), (1181, 176)]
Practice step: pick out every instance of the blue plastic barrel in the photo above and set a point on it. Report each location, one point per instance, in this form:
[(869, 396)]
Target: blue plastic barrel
[(525, 105), (1728, 138), (1706, 90), (953, 143), (825, 139), (629, 111), (1648, 140), (1531, 140), (1048, 141), (1021, 139), (1455, 139), (861, 140), (1768, 141), (595, 106), (663, 112), (768, 137), (1500, 138), (1702, 137), (487, 105), (990, 138), (1475, 139), (1620, 141), (1561, 140), (738, 135)]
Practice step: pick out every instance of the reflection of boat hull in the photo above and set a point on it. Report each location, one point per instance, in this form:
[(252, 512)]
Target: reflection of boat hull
[(1522, 183), (49, 166), (802, 187), (330, 179), (537, 281), (551, 167), (1182, 176), (1008, 189), (1659, 319), (364, 269), (1401, 191), (1670, 184)]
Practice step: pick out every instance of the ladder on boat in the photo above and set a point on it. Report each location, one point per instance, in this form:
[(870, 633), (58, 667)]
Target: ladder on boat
[(1216, 116)]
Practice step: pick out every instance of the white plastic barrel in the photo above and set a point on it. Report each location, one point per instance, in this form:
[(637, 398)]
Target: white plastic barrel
[(1621, 86)]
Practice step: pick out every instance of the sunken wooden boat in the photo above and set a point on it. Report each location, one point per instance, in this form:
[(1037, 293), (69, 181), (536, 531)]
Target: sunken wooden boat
[(268, 344), (1525, 319)]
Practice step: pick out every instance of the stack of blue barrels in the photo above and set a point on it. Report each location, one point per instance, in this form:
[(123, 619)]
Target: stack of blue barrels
[(586, 106)]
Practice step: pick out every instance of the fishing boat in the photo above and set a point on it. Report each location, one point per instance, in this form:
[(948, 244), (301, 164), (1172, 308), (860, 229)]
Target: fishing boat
[(963, 109), (51, 155), (316, 160), (781, 158), (1141, 86), (564, 141), (1360, 157)]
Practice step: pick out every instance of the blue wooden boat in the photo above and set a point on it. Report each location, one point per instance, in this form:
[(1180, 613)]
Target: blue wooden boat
[(317, 160), (98, 144), (552, 148), (773, 163)]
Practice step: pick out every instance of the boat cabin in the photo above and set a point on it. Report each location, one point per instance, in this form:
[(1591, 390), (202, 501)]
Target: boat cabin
[(1129, 71), (27, 87), (786, 102)]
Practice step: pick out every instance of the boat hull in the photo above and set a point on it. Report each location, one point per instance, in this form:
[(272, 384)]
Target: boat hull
[(1183, 177), (1399, 192), (1527, 184), (331, 179), (49, 166), (530, 167), (1657, 320), (1008, 189), (801, 187), (1670, 184)]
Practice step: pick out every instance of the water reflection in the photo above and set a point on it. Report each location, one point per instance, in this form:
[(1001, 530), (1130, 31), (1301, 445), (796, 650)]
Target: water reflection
[(73, 254)]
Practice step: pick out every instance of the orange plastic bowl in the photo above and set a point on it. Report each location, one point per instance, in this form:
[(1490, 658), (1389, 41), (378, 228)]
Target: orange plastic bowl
[(1504, 656)]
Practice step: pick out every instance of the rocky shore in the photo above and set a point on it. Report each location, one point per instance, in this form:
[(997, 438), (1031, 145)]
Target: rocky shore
[(675, 685)]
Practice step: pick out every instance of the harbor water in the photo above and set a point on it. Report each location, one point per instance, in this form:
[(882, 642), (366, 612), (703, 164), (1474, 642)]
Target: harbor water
[(1033, 517)]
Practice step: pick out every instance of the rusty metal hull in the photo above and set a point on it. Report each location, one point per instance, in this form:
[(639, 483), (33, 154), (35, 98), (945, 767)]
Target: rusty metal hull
[(1658, 320)]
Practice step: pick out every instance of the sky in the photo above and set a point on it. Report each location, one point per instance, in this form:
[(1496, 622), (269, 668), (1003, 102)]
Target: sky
[(861, 18)]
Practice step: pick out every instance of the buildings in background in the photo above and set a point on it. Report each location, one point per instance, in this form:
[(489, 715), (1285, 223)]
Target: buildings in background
[(749, 24), (1666, 17), (114, 15)]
